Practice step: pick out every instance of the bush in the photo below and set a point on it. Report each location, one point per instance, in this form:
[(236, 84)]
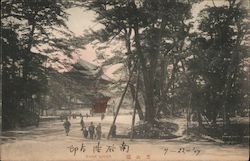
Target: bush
[(27, 118), (158, 130)]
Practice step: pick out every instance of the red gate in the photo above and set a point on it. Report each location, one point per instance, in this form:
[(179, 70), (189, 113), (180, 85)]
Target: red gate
[(100, 105)]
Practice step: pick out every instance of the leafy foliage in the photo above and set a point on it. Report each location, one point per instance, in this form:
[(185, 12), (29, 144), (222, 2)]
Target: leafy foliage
[(27, 24), (153, 31), (218, 63)]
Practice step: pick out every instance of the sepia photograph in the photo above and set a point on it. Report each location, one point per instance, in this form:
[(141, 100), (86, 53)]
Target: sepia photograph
[(125, 80)]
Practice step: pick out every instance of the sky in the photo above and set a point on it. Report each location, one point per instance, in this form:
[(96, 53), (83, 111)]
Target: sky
[(81, 20)]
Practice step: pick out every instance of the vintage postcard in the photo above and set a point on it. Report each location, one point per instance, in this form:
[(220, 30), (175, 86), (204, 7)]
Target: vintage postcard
[(125, 80)]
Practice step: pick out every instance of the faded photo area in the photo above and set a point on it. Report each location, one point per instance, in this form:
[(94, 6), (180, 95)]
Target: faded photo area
[(118, 80)]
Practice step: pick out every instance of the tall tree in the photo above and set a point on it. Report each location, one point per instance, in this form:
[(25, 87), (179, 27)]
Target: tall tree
[(26, 24), (218, 61), (150, 31)]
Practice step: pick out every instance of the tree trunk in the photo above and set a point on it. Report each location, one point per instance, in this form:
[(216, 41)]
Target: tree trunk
[(149, 103), (149, 72), (137, 106), (199, 118), (27, 60), (135, 103), (149, 91), (163, 78)]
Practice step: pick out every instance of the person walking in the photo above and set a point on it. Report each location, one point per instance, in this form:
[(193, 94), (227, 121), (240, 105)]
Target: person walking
[(67, 125), (102, 116), (91, 130), (85, 132), (98, 131), (82, 123)]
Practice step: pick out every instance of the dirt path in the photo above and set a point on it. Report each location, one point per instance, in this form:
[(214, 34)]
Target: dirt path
[(48, 142)]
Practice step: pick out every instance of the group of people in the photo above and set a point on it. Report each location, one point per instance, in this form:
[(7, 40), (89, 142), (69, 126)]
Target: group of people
[(91, 131)]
